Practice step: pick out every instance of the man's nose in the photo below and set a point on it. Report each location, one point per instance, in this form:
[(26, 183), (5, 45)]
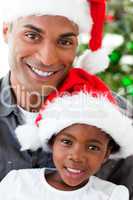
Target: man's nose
[(48, 54)]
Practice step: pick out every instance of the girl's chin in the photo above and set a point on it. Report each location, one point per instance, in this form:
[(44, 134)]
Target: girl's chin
[(74, 184)]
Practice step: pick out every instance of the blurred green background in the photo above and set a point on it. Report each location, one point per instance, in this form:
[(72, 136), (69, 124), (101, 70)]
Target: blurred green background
[(118, 40)]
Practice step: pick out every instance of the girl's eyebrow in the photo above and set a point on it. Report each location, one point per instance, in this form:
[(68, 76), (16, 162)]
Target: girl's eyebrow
[(96, 141), (67, 135)]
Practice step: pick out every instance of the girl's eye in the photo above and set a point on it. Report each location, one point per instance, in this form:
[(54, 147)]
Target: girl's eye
[(93, 148), (32, 36), (66, 141)]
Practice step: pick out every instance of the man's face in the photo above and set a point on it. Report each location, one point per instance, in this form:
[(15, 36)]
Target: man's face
[(41, 51)]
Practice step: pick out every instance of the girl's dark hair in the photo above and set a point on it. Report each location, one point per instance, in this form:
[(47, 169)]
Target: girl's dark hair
[(114, 146), (51, 140)]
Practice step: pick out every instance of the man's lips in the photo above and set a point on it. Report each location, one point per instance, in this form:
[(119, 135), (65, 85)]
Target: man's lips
[(42, 73)]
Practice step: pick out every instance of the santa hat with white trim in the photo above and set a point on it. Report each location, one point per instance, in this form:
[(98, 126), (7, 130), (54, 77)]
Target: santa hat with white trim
[(82, 98), (89, 15)]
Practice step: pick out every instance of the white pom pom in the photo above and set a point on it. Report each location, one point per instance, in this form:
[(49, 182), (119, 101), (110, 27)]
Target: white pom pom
[(28, 137), (93, 62)]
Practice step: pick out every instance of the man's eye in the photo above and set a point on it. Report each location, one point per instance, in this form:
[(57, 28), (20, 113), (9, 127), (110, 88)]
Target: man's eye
[(93, 148), (32, 36), (65, 42)]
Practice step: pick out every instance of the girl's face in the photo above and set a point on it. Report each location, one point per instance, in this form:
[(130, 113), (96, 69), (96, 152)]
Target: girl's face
[(78, 152)]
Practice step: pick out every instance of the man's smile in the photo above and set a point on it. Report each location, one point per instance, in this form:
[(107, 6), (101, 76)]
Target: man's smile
[(41, 73), (44, 72)]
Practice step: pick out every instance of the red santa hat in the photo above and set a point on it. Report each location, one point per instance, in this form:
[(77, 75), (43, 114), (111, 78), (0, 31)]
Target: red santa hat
[(89, 15), (82, 98), (95, 59)]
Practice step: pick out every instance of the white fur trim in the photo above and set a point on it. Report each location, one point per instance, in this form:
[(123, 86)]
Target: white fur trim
[(83, 108), (93, 61), (75, 10), (27, 136)]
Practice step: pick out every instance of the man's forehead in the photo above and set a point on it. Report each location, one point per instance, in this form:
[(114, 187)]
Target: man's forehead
[(40, 23), (45, 18)]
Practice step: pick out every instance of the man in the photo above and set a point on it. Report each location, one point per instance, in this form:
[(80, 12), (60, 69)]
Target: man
[(42, 40)]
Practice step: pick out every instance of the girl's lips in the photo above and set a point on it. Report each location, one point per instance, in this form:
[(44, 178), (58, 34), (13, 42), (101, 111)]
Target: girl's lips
[(74, 173)]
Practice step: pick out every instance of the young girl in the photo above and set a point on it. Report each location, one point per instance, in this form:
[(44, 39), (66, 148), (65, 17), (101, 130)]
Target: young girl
[(82, 126)]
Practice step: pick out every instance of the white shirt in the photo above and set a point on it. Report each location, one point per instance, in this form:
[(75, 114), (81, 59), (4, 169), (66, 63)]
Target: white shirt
[(30, 184), (28, 117)]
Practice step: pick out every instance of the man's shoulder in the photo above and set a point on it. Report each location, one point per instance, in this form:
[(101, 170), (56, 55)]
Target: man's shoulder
[(6, 96), (124, 104), (1, 79), (4, 81)]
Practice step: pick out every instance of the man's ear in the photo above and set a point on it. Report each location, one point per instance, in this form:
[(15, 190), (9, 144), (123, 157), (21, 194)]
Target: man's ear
[(6, 31)]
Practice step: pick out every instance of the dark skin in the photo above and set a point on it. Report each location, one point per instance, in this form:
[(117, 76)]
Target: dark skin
[(41, 52), (78, 153)]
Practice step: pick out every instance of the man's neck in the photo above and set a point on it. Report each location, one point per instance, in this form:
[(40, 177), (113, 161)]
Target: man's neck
[(26, 99)]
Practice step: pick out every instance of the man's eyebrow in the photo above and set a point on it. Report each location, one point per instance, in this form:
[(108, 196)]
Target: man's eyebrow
[(69, 34), (30, 26)]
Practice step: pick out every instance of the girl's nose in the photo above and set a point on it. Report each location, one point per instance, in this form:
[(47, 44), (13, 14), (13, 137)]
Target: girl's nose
[(77, 155)]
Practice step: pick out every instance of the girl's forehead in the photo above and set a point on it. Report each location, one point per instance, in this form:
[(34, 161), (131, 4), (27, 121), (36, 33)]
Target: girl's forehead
[(84, 132)]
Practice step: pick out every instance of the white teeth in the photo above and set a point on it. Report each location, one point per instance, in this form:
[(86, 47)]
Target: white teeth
[(74, 170), (41, 73)]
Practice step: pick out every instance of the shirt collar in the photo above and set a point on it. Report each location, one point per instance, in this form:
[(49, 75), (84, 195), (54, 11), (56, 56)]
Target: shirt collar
[(7, 99)]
